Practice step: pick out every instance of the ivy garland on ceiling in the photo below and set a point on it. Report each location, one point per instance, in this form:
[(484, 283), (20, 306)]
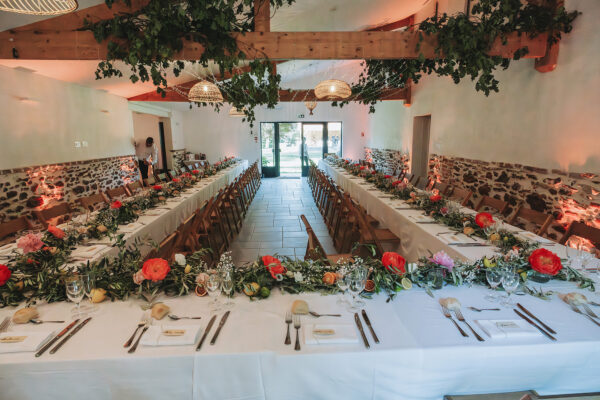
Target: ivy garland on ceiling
[(463, 45), (147, 41)]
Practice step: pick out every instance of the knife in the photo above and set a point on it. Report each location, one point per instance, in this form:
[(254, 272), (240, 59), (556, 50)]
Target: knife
[(549, 336), (51, 342), (368, 322), (362, 332), (210, 324), (526, 311), (223, 320), (70, 335), (467, 244)]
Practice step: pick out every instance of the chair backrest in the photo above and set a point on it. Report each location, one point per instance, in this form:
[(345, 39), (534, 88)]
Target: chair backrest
[(367, 232), (166, 248), (93, 202), (582, 230), (422, 182), (542, 220), (161, 176), (150, 180), (117, 193), (174, 172), (441, 187), (54, 215), (409, 177), (185, 230), (14, 225), (490, 202), (460, 194), (314, 249), (135, 187)]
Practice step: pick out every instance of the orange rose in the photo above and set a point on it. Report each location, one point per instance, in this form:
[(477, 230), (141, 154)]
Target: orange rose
[(484, 219), (545, 262), (273, 266), (155, 269), (56, 232), (394, 263), (116, 205), (329, 278)]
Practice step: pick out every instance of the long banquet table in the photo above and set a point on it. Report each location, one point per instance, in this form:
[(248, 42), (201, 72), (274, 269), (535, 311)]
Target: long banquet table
[(421, 354)]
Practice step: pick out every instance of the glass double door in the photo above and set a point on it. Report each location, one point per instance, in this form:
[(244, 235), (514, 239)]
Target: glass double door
[(286, 147)]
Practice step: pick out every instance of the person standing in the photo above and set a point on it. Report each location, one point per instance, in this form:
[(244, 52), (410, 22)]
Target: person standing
[(147, 155)]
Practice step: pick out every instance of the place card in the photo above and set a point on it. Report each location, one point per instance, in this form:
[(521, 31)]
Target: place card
[(505, 329), (23, 341), (342, 334)]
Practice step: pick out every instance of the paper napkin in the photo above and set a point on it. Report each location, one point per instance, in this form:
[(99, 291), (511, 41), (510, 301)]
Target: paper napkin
[(158, 335), (87, 252), (507, 328), (24, 341), (344, 334)]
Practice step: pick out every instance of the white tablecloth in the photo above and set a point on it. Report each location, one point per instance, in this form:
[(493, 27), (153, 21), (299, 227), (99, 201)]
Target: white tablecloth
[(416, 240)]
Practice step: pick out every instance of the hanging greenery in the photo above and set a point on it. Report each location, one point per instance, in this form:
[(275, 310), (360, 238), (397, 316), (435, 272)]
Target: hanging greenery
[(463, 45)]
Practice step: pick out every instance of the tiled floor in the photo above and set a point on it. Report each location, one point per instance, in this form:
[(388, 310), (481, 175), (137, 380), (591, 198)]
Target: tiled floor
[(273, 225)]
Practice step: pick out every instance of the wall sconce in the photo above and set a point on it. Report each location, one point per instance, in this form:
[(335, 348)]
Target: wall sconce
[(26, 100), (104, 111)]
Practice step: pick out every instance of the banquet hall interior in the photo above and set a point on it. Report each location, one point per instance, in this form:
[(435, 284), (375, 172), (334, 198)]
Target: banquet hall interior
[(300, 199)]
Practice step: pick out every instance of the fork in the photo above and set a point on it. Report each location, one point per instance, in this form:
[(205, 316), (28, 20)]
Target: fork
[(449, 316), (588, 310), (461, 318), (297, 326), (135, 345), (288, 321), (317, 315), (483, 309), (141, 324), (577, 310)]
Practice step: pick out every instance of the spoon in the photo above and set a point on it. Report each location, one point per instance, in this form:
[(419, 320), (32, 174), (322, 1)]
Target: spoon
[(483, 309), (175, 317), (37, 321), (314, 314)]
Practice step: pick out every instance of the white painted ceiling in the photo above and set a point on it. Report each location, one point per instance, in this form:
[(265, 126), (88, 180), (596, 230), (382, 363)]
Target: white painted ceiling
[(304, 15)]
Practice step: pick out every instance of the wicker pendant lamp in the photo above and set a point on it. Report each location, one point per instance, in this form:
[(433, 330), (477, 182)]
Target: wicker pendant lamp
[(205, 92), (237, 112), (38, 7), (311, 105), (333, 89)]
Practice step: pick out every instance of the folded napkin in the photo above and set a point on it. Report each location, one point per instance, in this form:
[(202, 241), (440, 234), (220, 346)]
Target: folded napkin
[(132, 227), (156, 335), (86, 252), (455, 238), (535, 238), (421, 218), (30, 341), (344, 334), (507, 328)]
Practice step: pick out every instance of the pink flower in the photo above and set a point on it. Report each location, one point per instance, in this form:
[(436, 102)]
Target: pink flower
[(443, 259), (444, 210), (139, 277), (413, 195), (387, 176), (30, 242)]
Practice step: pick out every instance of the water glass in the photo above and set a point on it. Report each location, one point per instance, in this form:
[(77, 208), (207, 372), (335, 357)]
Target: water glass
[(89, 284), (510, 283), (356, 284), (214, 290), (75, 292), (494, 278), (227, 288), (342, 284)]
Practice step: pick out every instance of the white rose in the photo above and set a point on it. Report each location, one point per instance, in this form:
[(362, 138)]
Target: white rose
[(180, 259), (298, 276)]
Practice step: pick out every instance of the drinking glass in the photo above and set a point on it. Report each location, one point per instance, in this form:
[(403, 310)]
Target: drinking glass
[(574, 255), (494, 278), (89, 284), (342, 284), (214, 290), (75, 292), (510, 283), (356, 284), (227, 288)]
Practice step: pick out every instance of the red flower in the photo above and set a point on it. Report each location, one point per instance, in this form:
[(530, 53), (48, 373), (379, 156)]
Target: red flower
[(387, 176), (155, 269), (195, 172), (373, 172), (5, 274), (396, 183), (394, 263), (347, 161), (175, 180), (545, 262), (116, 205), (273, 266), (362, 167), (484, 219), (435, 198), (56, 232), (157, 187)]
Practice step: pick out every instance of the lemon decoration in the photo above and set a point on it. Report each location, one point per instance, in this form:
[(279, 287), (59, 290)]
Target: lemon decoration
[(487, 263), (187, 269), (406, 283), (97, 295), (250, 289)]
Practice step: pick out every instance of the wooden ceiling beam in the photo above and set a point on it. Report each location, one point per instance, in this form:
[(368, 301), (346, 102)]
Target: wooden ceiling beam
[(262, 15), (287, 95), (548, 62), (81, 45)]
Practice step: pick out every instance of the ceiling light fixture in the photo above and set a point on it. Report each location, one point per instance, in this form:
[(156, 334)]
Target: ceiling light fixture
[(205, 92), (38, 7), (333, 89)]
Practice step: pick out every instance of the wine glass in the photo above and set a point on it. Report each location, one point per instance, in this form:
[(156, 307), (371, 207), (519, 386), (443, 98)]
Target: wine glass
[(75, 292), (510, 283), (574, 255), (494, 278), (342, 284), (227, 288), (214, 290), (89, 284), (356, 283)]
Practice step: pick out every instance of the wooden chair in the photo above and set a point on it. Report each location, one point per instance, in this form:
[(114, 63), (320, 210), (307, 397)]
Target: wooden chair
[(459, 194), (55, 215), (161, 177), (117, 193), (165, 248), (186, 242), (422, 183), (135, 187), (490, 202), (542, 220), (441, 187), (93, 202), (150, 180), (9, 228), (583, 230), (315, 251)]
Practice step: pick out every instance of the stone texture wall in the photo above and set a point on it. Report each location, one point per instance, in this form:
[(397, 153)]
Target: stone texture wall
[(23, 190), (387, 160), (567, 196)]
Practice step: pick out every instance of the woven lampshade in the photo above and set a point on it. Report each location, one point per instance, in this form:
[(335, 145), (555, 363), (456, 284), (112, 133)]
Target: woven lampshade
[(38, 7), (333, 89), (237, 112), (205, 92), (311, 105)]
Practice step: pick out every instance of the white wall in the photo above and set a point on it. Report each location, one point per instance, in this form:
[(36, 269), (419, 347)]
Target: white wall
[(41, 118), (549, 120)]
